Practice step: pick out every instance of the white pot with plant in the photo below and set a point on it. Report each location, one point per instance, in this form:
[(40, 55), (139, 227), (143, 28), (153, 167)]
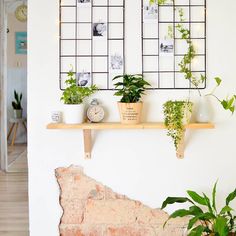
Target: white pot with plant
[(130, 88), (17, 107), (177, 114), (73, 97)]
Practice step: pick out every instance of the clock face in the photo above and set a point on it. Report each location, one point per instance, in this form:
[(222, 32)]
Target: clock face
[(95, 113), (21, 13)]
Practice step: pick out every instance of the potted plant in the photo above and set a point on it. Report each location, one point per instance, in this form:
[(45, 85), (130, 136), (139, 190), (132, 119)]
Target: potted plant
[(17, 108), (176, 115), (204, 217), (73, 97), (130, 88)]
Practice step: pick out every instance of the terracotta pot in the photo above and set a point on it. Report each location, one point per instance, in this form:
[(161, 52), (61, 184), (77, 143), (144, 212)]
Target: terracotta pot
[(130, 113)]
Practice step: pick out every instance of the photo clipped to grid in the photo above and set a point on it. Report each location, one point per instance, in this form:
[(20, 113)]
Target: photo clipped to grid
[(92, 41), (163, 47)]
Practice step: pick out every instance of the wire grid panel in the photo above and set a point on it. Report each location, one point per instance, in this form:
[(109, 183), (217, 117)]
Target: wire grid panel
[(92, 41), (162, 45)]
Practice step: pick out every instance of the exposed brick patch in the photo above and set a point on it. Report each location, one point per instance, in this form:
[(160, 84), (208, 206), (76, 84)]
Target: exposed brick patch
[(92, 209)]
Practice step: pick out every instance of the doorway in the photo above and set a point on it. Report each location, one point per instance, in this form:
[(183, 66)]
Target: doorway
[(14, 86)]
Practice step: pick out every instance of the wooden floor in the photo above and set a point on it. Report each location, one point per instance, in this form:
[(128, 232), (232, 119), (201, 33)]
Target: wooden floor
[(14, 199), (17, 159)]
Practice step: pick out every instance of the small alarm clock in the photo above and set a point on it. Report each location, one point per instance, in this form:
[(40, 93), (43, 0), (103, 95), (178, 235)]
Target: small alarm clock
[(95, 112)]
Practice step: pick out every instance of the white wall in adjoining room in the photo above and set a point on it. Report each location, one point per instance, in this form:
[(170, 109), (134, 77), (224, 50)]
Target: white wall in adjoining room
[(16, 70), (138, 163)]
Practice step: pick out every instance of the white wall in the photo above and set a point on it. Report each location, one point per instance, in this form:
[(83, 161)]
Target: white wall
[(140, 164)]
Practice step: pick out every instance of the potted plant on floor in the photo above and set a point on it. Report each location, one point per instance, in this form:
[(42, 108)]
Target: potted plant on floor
[(209, 222), (130, 88), (176, 115), (17, 108), (73, 97)]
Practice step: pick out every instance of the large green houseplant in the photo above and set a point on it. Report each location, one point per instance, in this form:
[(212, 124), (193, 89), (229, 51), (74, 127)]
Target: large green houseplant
[(73, 97), (130, 88), (204, 217), (16, 105)]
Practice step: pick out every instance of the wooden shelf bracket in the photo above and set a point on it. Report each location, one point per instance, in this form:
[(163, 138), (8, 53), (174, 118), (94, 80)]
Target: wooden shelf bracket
[(88, 127)]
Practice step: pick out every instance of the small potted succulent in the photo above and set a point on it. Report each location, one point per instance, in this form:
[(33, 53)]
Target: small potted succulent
[(73, 97), (130, 88), (204, 217), (176, 115), (17, 107)]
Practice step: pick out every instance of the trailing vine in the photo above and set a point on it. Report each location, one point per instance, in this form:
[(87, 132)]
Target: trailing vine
[(175, 112), (185, 65)]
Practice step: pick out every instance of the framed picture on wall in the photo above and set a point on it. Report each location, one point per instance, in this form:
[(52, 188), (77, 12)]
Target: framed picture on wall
[(84, 3), (83, 79), (21, 42)]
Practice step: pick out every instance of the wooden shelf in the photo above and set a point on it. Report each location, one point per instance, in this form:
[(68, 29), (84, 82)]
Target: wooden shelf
[(149, 125), (87, 127)]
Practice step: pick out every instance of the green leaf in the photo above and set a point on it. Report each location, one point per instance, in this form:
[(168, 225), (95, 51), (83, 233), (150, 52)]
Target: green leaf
[(218, 80), (203, 216), (197, 198), (231, 197), (172, 200), (214, 196), (220, 226), (197, 231), (195, 210), (178, 213), (208, 203), (225, 209)]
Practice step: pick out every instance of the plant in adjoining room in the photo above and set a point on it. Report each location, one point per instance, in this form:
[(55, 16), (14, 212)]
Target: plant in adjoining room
[(177, 114), (73, 97), (204, 217), (130, 88), (16, 104)]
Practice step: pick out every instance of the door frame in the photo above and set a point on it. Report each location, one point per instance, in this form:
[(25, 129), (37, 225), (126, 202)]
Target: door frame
[(3, 86)]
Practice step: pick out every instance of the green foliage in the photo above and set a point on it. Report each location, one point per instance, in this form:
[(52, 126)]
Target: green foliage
[(170, 32), (17, 103), (209, 222), (228, 103), (74, 94), (131, 88), (185, 67), (174, 112), (160, 2)]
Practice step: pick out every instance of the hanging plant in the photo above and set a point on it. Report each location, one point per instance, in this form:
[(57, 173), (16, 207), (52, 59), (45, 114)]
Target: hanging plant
[(177, 115)]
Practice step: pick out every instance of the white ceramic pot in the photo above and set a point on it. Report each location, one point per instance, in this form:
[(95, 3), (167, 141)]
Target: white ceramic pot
[(74, 113), (203, 111), (187, 113)]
